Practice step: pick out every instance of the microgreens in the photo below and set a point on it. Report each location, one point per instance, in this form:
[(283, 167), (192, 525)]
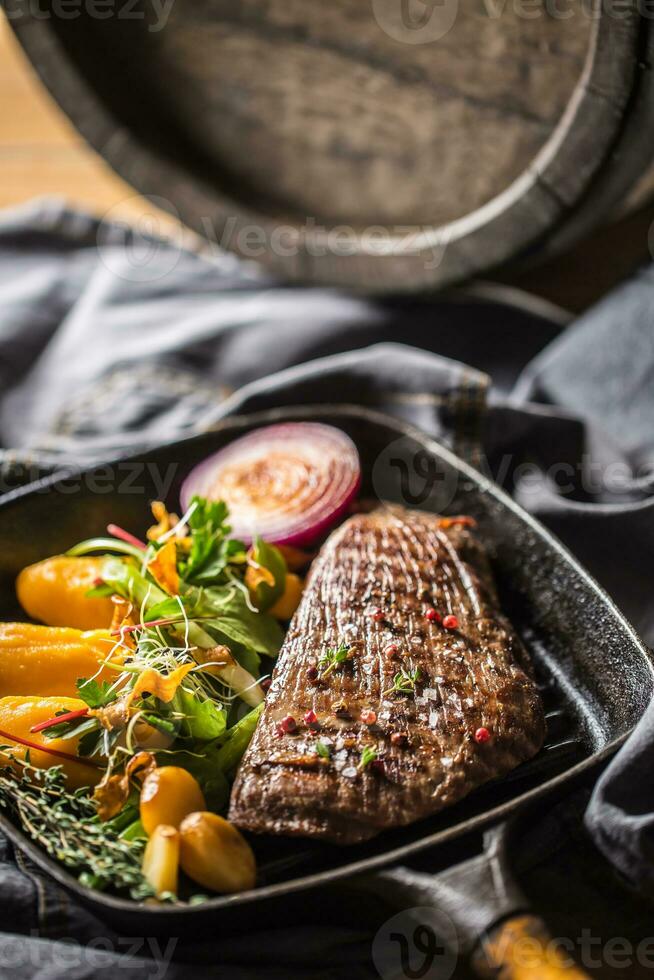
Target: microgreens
[(323, 750), (211, 614)]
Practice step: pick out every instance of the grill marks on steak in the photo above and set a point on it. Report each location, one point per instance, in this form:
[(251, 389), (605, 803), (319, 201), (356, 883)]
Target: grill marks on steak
[(476, 676)]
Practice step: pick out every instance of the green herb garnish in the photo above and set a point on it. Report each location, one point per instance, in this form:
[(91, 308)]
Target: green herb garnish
[(201, 718), (66, 826), (94, 694), (333, 659), (236, 740), (211, 547), (404, 682), (267, 556), (368, 755), (323, 750)]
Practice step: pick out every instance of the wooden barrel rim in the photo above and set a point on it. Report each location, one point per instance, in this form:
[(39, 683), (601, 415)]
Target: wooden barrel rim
[(534, 204), (626, 179)]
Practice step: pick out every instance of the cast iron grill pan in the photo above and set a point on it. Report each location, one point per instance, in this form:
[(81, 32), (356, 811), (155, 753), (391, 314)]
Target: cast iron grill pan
[(595, 675)]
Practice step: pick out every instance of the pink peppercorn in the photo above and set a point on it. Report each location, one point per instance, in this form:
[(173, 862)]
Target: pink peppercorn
[(392, 650), (265, 683), (288, 724), (368, 716), (399, 739), (378, 766), (451, 623), (433, 616), (312, 673), (482, 735), (376, 613), (311, 718)]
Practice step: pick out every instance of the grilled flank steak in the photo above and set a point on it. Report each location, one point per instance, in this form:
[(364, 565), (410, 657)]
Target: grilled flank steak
[(400, 688)]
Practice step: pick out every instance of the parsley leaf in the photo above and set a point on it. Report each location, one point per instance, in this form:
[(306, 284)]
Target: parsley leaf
[(94, 694), (211, 548)]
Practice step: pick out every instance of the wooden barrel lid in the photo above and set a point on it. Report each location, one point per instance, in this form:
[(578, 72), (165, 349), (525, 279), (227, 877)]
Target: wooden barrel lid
[(391, 144)]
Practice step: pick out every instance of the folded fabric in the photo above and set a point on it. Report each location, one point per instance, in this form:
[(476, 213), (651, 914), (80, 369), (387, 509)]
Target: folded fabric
[(101, 354), (620, 816)]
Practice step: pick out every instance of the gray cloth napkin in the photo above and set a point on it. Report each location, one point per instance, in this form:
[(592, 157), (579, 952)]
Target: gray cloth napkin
[(110, 342)]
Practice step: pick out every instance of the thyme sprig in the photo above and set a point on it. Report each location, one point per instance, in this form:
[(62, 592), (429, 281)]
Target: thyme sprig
[(66, 826), (334, 658), (404, 682), (368, 755)]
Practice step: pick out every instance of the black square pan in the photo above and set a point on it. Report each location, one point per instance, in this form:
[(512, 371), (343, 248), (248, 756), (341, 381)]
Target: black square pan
[(597, 677)]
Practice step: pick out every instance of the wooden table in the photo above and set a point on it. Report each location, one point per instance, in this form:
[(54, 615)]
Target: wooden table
[(42, 154)]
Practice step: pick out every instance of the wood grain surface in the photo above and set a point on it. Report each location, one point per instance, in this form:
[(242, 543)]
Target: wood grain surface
[(41, 153), (324, 109)]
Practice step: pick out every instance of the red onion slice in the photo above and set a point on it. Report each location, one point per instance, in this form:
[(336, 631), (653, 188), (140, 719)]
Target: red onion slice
[(287, 483)]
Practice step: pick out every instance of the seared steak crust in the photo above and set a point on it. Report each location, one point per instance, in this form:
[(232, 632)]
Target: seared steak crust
[(369, 589)]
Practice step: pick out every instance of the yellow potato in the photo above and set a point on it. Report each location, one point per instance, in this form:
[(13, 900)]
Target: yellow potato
[(48, 660), (19, 715), (54, 592), (161, 860), (169, 794), (215, 854)]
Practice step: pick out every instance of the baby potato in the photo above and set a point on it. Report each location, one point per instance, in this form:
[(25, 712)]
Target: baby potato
[(161, 860), (215, 854), (169, 794), (19, 715), (48, 660), (54, 592)]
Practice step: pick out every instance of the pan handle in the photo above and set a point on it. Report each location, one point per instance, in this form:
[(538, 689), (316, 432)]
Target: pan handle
[(521, 948)]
